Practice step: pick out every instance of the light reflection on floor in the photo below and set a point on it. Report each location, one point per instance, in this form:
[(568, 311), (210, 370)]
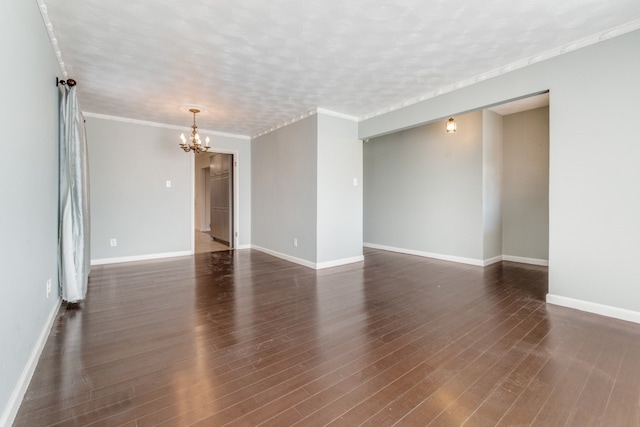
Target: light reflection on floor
[(204, 243)]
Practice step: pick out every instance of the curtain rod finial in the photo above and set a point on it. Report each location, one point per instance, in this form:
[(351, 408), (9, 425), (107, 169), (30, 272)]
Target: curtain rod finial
[(68, 82)]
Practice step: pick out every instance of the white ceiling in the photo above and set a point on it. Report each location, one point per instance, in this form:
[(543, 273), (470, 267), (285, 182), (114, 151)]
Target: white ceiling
[(255, 63)]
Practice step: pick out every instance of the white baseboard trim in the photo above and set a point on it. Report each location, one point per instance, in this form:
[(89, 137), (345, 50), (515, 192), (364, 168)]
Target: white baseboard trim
[(462, 260), (451, 258), (243, 247), (147, 257), (285, 257), (339, 262), (304, 262), (592, 307), (523, 260), (11, 410), (493, 260)]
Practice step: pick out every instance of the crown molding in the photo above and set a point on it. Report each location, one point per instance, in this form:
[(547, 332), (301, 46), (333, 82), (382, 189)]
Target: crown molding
[(304, 116), (285, 123), (561, 50), (336, 114), (52, 37), (160, 125)]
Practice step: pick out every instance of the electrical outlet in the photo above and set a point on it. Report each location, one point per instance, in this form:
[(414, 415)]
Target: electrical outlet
[(113, 243), (48, 287), (295, 242)]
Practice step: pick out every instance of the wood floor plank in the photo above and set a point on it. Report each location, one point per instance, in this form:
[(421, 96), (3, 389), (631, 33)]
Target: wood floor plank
[(451, 356), (623, 405), (242, 338), (459, 380), (402, 376), (592, 402)]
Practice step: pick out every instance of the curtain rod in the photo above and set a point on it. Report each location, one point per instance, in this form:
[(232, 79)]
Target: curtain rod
[(68, 82)]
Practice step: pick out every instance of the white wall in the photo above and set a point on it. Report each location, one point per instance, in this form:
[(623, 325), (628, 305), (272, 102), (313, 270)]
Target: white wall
[(594, 201), (423, 189), (284, 190), (492, 184), (339, 216), (29, 189), (525, 203)]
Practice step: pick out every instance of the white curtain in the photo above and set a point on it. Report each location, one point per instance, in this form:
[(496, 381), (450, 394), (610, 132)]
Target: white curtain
[(73, 234)]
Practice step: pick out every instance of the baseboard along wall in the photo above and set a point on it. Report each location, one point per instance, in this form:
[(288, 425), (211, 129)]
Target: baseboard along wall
[(147, 257), (304, 262), (462, 260), (11, 410), (595, 308)]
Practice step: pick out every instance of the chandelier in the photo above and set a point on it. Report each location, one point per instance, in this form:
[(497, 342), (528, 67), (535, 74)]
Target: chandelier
[(195, 145)]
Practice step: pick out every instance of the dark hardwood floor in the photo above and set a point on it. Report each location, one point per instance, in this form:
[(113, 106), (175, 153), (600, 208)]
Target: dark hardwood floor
[(242, 338)]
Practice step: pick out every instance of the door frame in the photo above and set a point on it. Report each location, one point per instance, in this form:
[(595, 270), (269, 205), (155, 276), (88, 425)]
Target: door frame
[(236, 195), (205, 176)]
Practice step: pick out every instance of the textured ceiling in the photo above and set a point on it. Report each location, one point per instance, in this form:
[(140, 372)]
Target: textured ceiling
[(256, 63)]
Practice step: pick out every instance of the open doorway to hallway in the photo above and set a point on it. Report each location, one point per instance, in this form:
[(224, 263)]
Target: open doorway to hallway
[(525, 179), (204, 243), (214, 202)]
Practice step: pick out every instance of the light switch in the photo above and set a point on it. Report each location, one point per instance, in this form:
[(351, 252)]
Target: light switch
[(168, 184), (355, 182)]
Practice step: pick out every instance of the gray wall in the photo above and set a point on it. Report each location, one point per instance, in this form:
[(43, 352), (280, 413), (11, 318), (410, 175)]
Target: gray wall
[(594, 201), (492, 184), (423, 189), (129, 166), (28, 167), (525, 204), (284, 189), (303, 188), (339, 200)]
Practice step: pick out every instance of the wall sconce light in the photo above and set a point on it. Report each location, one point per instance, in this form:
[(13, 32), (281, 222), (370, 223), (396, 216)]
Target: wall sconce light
[(451, 125)]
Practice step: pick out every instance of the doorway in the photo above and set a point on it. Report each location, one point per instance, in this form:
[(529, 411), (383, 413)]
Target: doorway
[(525, 180), (221, 198), (215, 202)]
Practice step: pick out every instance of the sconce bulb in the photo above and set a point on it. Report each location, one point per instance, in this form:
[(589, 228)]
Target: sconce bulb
[(451, 125)]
